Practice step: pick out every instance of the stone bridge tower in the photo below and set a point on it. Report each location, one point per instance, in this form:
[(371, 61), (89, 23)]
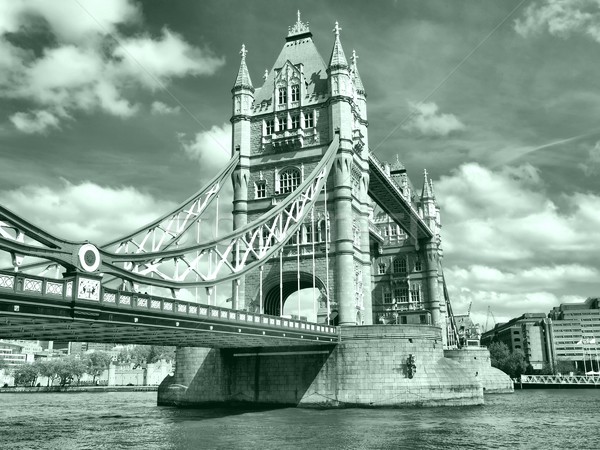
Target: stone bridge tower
[(281, 131)]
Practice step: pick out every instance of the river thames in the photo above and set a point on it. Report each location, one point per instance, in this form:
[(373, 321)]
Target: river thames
[(113, 420)]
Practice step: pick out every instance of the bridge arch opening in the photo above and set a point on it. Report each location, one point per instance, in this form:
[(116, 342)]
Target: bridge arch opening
[(309, 301)]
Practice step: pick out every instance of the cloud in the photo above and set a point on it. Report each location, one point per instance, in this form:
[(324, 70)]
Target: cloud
[(561, 18), (81, 68), (592, 165), (426, 120), (85, 211), (212, 147), (162, 108), (508, 245), (34, 122)]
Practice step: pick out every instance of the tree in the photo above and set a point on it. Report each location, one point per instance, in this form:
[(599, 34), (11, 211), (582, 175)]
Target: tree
[(25, 374), (47, 368), (3, 364), (145, 354), (69, 368), (513, 364), (96, 363)]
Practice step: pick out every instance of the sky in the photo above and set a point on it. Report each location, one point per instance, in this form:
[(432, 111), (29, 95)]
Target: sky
[(113, 112)]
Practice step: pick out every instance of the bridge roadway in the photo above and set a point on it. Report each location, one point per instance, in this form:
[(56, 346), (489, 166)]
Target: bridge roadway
[(38, 308)]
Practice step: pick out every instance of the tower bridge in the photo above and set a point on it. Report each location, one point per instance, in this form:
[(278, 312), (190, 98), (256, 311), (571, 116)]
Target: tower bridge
[(313, 208)]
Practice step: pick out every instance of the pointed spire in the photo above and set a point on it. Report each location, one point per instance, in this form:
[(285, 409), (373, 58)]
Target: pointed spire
[(243, 77), (427, 192), (431, 188), (338, 58), (355, 75)]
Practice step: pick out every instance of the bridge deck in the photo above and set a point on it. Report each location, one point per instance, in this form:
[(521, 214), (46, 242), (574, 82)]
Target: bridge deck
[(37, 308)]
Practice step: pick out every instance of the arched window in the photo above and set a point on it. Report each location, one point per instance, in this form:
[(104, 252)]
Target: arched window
[(289, 180), (400, 264)]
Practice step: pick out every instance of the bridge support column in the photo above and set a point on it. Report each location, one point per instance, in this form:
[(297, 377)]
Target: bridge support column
[(345, 289), (433, 297)]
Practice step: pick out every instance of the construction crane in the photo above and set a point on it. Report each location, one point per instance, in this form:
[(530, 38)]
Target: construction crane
[(453, 337), (489, 313), (469, 308)]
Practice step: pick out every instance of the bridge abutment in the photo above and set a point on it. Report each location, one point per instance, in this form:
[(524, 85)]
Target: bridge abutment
[(477, 361), (368, 368)]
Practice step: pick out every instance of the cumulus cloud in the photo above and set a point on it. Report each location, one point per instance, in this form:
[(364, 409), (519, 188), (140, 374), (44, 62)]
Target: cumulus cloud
[(85, 211), (427, 120), (561, 18), (35, 121), (163, 109), (508, 245), (82, 68), (212, 147)]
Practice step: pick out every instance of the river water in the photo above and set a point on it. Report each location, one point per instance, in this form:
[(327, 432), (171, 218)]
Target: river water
[(529, 419)]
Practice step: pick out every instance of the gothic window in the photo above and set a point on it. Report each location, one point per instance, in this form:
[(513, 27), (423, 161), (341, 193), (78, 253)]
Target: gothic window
[(418, 265), (393, 230), (322, 231), (381, 269), (260, 189), (289, 179), (387, 297), (295, 122), (282, 95), (270, 127), (308, 120), (401, 294), (295, 92), (415, 294), (400, 265)]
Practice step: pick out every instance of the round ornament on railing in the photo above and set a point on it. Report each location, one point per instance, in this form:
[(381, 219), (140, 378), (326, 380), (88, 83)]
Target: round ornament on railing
[(89, 257)]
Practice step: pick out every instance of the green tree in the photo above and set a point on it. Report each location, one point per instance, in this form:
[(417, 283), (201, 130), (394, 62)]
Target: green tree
[(69, 368), (3, 364), (25, 374), (96, 363), (513, 364), (47, 368)]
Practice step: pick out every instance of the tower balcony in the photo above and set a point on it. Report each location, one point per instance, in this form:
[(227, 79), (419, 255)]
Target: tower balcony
[(288, 138)]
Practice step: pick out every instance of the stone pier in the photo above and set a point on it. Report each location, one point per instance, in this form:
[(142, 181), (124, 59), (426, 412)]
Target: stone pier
[(477, 361), (367, 369)]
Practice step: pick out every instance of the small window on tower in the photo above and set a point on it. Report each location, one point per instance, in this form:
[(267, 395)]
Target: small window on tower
[(260, 189), (418, 265), (399, 265), (295, 122), (295, 92), (270, 127), (308, 120), (387, 297), (282, 95), (381, 269)]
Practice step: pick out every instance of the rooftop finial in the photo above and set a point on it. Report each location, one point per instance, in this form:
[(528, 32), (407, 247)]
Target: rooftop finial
[(298, 28), (266, 74), (354, 57), (243, 51), (337, 29)]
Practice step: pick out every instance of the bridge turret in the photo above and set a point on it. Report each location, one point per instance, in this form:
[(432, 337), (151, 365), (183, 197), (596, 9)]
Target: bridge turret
[(243, 98)]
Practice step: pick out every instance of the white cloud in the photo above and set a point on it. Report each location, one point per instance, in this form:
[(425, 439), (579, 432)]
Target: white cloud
[(561, 18), (162, 108), (426, 119), (163, 58), (592, 164), (212, 147), (84, 70), (34, 122), (507, 245), (85, 211)]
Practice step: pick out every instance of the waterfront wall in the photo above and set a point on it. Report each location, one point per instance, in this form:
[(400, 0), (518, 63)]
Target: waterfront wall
[(368, 368), (477, 361)]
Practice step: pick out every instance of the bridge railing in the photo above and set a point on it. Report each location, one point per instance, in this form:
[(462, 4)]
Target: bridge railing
[(34, 286)]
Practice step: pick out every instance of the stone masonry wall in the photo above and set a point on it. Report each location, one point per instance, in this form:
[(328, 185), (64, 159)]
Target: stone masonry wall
[(368, 368), (477, 361)]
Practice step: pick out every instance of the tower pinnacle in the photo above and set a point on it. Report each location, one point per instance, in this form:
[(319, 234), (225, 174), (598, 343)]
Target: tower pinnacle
[(299, 29), (426, 193), (338, 58), (243, 78)]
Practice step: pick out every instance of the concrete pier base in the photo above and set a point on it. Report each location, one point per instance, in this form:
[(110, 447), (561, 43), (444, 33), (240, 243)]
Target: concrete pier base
[(477, 361), (367, 369)]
